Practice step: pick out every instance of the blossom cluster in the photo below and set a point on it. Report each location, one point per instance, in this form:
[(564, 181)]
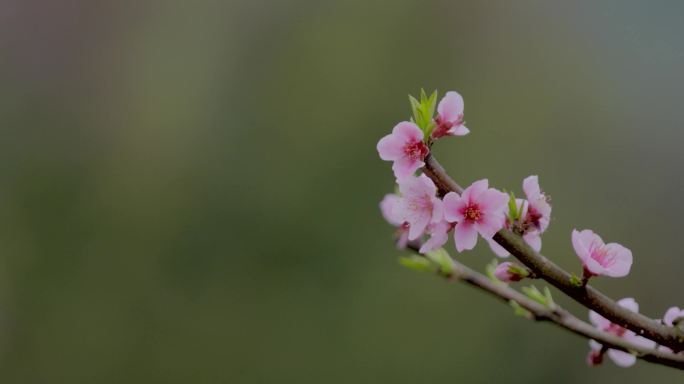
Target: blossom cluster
[(419, 211), (424, 215), (671, 318)]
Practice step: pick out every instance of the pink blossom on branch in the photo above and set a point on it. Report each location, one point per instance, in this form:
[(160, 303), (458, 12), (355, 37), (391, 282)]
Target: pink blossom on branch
[(389, 210), (532, 236), (672, 315), (449, 120), (509, 272), (538, 213), (419, 206), (479, 209), (599, 258), (405, 147), (620, 358), (439, 235)]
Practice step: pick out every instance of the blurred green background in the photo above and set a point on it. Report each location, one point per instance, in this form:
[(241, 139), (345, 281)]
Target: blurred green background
[(189, 189)]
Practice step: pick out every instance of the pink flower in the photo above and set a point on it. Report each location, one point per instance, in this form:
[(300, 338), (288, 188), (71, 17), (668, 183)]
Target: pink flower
[(532, 237), (405, 147), (620, 358), (598, 258), (419, 205), (671, 315), (388, 207), (439, 235), (509, 272), (449, 120), (479, 209), (539, 210)]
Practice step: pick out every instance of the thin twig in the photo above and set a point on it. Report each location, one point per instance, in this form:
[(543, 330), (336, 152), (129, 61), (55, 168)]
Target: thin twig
[(559, 278), (559, 316)]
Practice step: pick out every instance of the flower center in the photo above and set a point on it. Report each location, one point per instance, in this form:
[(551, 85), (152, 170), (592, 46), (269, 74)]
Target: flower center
[(616, 330), (442, 126), (601, 254), (472, 212), (416, 150)]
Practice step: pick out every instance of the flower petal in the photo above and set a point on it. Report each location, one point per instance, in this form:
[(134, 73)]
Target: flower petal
[(671, 315), (404, 167), (465, 236), (407, 132), (453, 205), (474, 190), (533, 239), (390, 148), (531, 187), (458, 130), (496, 248), (450, 108), (622, 261), (621, 359)]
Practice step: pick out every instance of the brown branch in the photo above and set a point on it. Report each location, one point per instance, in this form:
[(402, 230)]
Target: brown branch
[(559, 278), (559, 316)]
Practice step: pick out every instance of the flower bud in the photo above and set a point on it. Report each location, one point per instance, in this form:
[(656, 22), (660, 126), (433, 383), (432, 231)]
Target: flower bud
[(509, 272)]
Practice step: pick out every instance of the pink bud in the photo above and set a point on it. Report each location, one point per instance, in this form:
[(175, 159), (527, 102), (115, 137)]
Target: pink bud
[(595, 357), (509, 272), (449, 120)]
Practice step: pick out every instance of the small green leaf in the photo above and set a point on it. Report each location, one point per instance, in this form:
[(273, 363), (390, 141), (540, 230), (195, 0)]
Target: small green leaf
[(544, 299), (417, 263), (549, 299), (423, 111), (432, 103), (512, 207), (490, 268), (576, 281), (519, 310), (442, 259), (518, 270)]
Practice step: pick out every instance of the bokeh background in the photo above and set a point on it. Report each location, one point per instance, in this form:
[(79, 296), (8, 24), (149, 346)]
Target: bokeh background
[(189, 189)]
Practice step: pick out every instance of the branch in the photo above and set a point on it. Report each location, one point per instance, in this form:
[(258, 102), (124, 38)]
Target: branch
[(559, 278), (558, 316)]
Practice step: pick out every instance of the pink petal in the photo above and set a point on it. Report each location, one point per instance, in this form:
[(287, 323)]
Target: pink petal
[(403, 238), (621, 359), (459, 130), (533, 239), (622, 261), (388, 211), (594, 267), (465, 236), (493, 201), (451, 106), (418, 224), (407, 132), (390, 148), (404, 167), (629, 303), (439, 235), (595, 345), (490, 224), (531, 187), (598, 321), (437, 210), (474, 190), (427, 186), (496, 248), (671, 315), (639, 340), (580, 246), (453, 205)]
